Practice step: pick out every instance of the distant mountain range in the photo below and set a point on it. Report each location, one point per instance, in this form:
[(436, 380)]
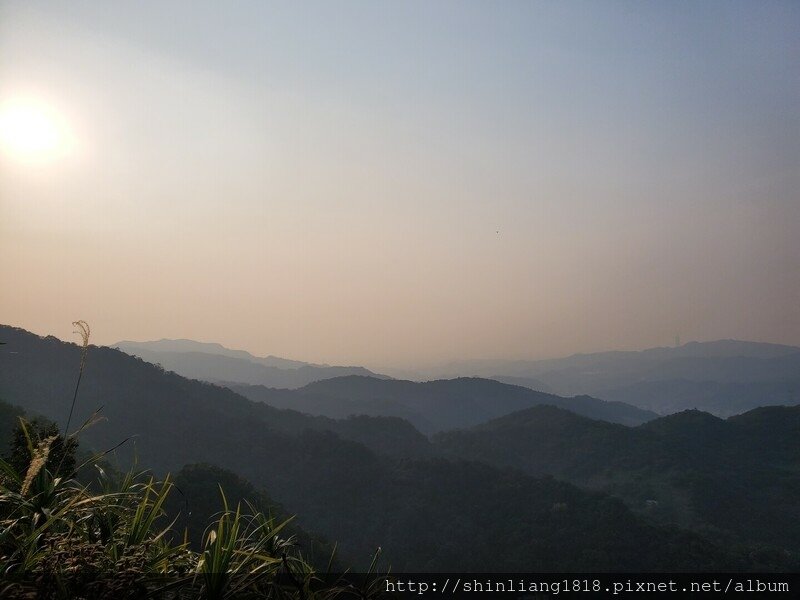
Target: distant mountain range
[(725, 377), (376, 481), (621, 358), (215, 363), (183, 345), (434, 405), (430, 406)]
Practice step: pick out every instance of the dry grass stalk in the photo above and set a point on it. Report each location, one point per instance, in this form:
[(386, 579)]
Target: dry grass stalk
[(38, 460)]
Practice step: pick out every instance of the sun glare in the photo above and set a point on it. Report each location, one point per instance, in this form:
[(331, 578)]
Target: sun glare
[(32, 132)]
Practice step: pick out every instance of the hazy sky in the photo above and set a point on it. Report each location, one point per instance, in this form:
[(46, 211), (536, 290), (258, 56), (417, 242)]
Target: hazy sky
[(402, 182)]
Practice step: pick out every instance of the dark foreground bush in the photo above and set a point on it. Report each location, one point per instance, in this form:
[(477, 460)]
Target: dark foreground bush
[(60, 538)]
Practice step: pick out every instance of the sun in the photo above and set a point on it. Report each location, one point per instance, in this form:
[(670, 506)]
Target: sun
[(32, 131)]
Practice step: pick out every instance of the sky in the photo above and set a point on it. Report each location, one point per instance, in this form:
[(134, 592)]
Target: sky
[(402, 183)]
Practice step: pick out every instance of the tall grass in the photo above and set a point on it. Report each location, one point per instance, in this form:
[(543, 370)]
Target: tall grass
[(85, 332), (63, 540)]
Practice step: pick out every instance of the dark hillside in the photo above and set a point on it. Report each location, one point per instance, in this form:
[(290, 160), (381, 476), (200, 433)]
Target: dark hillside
[(425, 514), (689, 468)]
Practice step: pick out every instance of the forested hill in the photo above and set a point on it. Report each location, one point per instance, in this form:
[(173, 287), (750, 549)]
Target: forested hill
[(435, 405), (690, 468), (426, 513)]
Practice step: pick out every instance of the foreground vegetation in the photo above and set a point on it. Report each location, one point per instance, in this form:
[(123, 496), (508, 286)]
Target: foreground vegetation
[(110, 538)]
